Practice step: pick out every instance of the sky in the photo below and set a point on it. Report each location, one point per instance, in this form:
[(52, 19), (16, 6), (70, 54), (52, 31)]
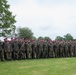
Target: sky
[(46, 17)]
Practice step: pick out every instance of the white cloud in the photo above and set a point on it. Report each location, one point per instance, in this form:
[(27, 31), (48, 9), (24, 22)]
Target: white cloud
[(46, 19)]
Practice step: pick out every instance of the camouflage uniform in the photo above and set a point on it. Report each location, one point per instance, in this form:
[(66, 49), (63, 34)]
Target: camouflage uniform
[(72, 50), (16, 50), (1, 51), (8, 51), (41, 50), (34, 50), (75, 49), (22, 51), (61, 50), (45, 50), (55, 49), (50, 50), (37, 48), (26, 44), (66, 50), (12, 45), (29, 50)]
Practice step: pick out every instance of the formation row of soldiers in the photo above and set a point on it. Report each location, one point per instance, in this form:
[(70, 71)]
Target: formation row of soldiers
[(23, 49)]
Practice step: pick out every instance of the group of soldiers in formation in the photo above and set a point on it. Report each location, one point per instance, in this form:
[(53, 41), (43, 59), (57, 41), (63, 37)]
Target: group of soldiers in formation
[(18, 49)]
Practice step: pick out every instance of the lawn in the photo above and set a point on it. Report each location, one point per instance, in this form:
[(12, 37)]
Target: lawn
[(52, 66)]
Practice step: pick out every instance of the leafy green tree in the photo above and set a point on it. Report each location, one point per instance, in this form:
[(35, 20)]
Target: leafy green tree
[(68, 37), (34, 37), (47, 38), (25, 32), (40, 38), (59, 38), (7, 20)]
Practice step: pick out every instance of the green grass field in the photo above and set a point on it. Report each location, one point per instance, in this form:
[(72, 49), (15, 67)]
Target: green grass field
[(53, 66)]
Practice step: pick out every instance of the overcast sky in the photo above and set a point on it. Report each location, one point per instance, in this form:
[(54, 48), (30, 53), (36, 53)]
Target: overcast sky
[(46, 17)]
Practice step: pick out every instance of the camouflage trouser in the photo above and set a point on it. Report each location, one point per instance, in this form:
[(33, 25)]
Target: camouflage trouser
[(55, 53), (2, 55), (61, 53), (37, 54), (8, 55), (75, 53), (16, 55), (51, 54), (34, 56), (22, 55), (40, 54), (66, 53), (71, 53), (29, 54), (45, 54)]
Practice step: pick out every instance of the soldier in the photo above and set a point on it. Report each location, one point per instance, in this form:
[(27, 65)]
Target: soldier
[(22, 51), (45, 50), (40, 49), (1, 51), (58, 49), (26, 49), (75, 48), (72, 49), (12, 45), (37, 48), (29, 50), (15, 49), (8, 50), (34, 49), (50, 50), (66, 49), (55, 49), (61, 49)]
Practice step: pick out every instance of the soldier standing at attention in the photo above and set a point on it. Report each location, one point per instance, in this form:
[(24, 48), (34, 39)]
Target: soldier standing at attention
[(1, 51), (22, 51), (34, 49), (7, 50), (16, 49), (29, 50), (45, 49)]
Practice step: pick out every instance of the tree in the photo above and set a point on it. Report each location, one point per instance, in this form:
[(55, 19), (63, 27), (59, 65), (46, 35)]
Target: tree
[(7, 20), (25, 32), (34, 37), (59, 38), (68, 37), (40, 38), (47, 38)]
